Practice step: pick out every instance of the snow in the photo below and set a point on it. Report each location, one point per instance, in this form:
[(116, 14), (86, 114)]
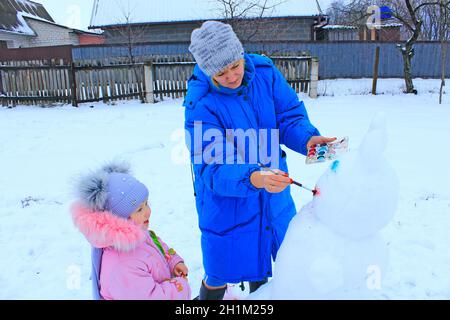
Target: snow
[(347, 87), (23, 27), (387, 25), (338, 26), (44, 149), (143, 11)]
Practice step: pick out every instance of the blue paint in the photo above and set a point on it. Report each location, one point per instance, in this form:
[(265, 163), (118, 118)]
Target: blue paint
[(335, 165)]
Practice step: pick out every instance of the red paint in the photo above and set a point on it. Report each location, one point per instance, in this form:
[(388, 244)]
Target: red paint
[(316, 192)]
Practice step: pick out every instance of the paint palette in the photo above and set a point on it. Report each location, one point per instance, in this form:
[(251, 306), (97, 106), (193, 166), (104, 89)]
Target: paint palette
[(327, 151)]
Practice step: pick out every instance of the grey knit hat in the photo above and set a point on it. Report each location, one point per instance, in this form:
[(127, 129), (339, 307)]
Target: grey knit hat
[(215, 46)]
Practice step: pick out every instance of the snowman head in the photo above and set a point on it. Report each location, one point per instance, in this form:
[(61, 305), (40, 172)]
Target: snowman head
[(359, 192)]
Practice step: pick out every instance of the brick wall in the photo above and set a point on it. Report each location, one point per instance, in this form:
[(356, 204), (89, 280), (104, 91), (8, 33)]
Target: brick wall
[(51, 35), (268, 30), (14, 40), (384, 34), (390, 34)]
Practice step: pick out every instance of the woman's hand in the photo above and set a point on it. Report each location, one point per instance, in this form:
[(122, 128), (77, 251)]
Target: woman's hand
[(318, 140), (180, 270), (273, 183)]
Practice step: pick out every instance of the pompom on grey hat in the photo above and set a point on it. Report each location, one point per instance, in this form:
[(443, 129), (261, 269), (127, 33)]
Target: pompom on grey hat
[(215, 46), (112, 188)]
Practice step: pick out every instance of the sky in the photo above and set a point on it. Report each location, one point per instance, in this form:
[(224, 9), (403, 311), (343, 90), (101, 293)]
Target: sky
[(77, 13)]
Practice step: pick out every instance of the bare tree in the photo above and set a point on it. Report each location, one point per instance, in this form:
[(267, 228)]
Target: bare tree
[(358, 14), (444, 34), (351, 13), (336, 12), (412, 14), (246, 16), (431, 22), (409, 14), (354, 13), (128, 32)]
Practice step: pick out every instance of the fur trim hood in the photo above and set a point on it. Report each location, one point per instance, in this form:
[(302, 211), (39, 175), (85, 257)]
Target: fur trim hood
[(103, 229)]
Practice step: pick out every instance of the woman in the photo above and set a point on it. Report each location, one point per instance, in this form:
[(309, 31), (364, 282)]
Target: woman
[(243, 212)]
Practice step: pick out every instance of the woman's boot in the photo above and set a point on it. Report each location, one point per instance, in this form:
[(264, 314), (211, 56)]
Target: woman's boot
[(211, 294), (255, 285)]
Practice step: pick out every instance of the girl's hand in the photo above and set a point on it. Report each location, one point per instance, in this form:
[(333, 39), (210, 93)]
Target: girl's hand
[(273, 183), (180, 270), (318, 140)]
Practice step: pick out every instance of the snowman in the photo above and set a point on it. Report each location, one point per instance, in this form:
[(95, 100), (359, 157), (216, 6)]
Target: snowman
[(333, 248)]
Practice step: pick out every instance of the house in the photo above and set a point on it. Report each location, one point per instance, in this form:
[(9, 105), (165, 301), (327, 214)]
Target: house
[(25, 24), (337, 32), (172, 21), (387, 31)]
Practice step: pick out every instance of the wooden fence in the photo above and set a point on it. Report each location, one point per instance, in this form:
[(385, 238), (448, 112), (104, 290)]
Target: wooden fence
[(170, 78), (296, 70), (43, 85), (82, 82), (104, 83), (31, 84)]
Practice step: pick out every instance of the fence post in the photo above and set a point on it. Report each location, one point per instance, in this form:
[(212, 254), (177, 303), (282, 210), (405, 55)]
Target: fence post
[(148, 82), (2, 99), (73, 84), (375, 71), (1, 81), (314, 78)]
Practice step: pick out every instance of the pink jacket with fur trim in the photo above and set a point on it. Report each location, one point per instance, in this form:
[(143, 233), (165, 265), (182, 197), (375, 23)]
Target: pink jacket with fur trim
[(133, 267)]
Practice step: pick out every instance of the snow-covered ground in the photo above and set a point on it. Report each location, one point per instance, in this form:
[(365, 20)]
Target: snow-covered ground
[(43, 149)]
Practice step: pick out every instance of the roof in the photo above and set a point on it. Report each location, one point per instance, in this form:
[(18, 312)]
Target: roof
[(339, 27), (391, 25), (345, 27), (113, 12), (77, 31), (13, 12)]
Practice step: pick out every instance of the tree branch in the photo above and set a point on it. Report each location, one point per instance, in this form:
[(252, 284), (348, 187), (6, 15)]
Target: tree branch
[(431, 3)]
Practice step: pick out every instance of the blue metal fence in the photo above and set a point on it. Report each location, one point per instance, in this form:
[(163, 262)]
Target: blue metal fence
[(349, 59)]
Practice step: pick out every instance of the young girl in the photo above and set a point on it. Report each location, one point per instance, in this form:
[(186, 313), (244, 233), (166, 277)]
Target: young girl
[(128, 261)]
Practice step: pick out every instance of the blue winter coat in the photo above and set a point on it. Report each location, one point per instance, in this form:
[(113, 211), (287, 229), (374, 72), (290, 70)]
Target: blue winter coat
[(242, 226)]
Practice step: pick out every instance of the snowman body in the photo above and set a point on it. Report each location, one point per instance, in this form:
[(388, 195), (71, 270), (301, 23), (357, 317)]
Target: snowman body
[(333, 248), (327, 264)]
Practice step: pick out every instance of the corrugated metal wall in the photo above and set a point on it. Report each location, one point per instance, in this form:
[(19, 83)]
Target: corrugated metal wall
[(353, 59)]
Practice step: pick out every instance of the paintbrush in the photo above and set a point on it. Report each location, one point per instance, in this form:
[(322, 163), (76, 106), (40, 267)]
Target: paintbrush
[(315, 192)]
